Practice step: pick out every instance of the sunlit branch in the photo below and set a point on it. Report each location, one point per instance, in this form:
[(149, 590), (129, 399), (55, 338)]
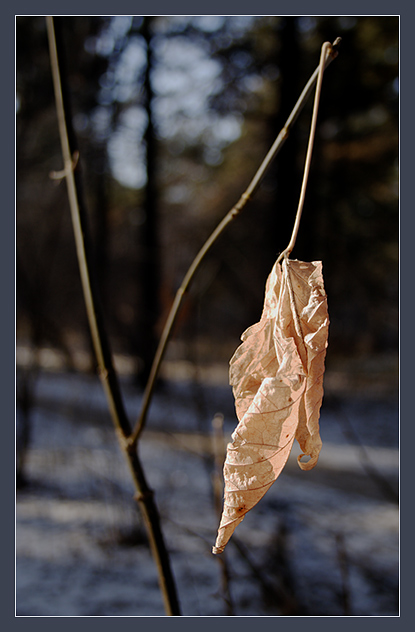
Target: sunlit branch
[(325, 50)]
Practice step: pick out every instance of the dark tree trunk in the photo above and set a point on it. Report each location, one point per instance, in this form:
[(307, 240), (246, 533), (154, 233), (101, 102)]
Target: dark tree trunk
[(149, 310), (101, 223)]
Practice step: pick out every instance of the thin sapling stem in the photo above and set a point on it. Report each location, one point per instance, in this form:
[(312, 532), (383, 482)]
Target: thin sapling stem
[(143, 494)]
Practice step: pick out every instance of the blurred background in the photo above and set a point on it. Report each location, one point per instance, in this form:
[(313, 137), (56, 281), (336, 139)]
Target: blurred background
[(172, 117)]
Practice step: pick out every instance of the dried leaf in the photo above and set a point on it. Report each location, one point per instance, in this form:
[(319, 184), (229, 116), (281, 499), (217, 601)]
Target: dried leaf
[(277, 379)]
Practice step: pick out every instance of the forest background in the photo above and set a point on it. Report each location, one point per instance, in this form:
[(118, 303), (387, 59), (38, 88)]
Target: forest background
[(172, 117)]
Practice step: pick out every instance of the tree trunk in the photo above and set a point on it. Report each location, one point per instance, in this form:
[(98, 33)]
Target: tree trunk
[(148, 271)]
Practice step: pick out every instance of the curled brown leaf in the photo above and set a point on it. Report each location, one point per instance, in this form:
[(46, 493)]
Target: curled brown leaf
[(277, 379)]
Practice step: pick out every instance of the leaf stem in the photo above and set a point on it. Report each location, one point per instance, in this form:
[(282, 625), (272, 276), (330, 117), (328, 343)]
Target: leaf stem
[(325, 52), (143, 494), (235, 210)]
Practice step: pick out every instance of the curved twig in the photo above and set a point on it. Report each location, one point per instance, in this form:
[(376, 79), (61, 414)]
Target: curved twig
[(325, 51)]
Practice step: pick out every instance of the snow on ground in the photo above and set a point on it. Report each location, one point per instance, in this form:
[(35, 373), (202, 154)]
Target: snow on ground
[(320, 543)]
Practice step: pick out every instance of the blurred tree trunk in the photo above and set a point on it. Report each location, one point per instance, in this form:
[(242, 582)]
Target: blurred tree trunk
[(148, 266), (101, 222)]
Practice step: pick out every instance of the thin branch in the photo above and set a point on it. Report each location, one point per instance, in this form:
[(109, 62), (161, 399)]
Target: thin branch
[(143, 494), (325, 52), (235, 210)]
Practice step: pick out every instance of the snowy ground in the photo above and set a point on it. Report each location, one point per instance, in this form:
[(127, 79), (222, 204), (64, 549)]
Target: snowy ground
[(320, 543)]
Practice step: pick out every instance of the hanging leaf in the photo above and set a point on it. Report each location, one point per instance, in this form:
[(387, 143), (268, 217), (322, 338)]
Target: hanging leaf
[(277, 379)]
